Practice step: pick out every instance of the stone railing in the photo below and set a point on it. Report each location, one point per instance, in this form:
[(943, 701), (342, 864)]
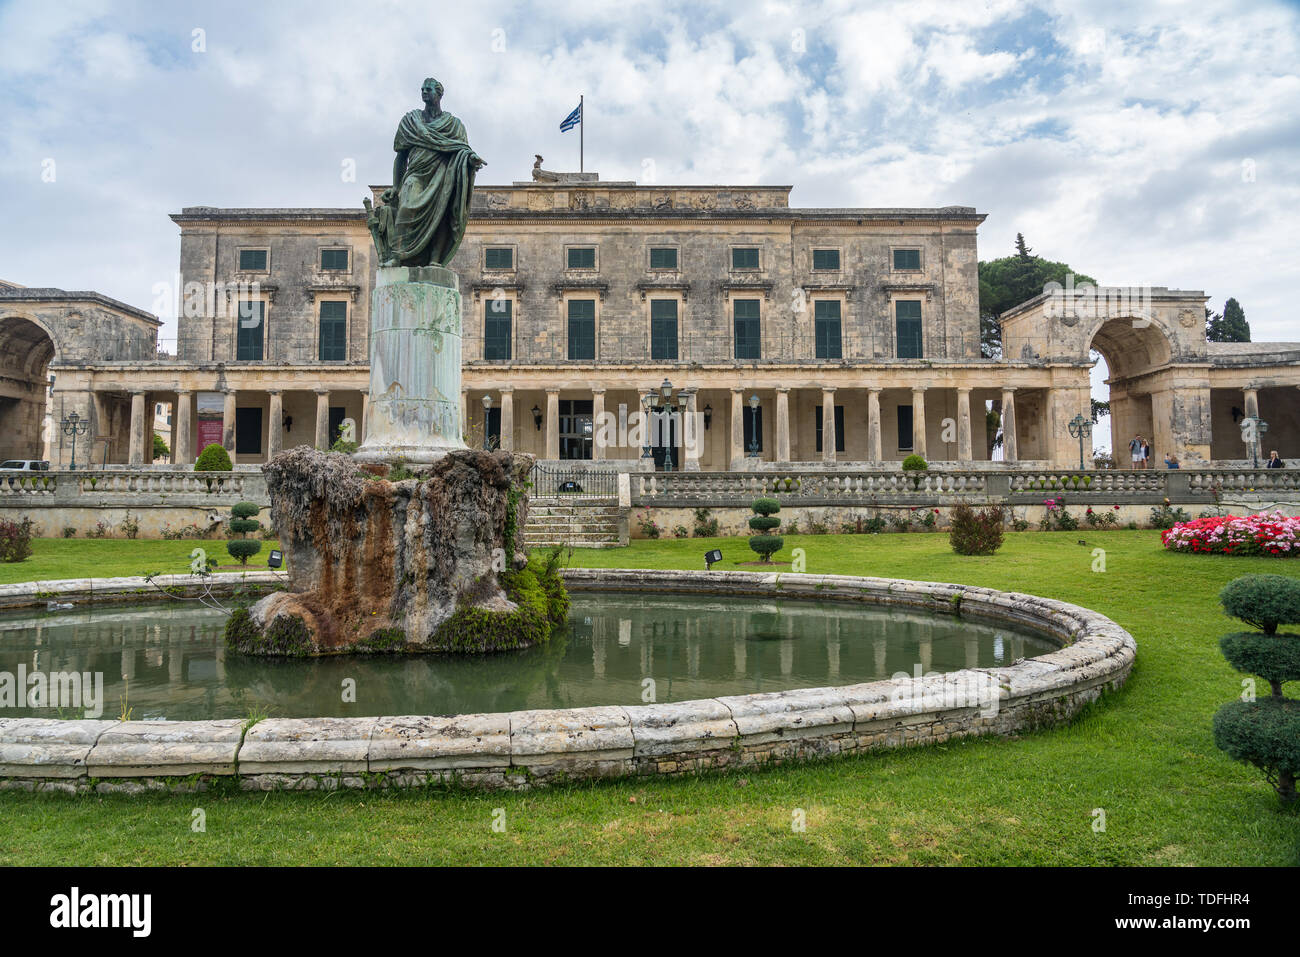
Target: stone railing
[(132, 487), (949, 487)]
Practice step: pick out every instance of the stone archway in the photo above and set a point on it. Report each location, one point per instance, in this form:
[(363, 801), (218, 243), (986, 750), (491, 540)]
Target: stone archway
[(1133, 349), (26, 351)]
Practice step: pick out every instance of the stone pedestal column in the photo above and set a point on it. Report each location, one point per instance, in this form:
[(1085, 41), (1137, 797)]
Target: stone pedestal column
[(597, 413), (828, 425), (918, 423), (874, 452), (323, 419), (783, 425), (552, 424), (183, 453), (691, 435), (275, 427), (508, 418), (135, 451), (964, 454), (1009, 451), (228, 423), (737, 429)]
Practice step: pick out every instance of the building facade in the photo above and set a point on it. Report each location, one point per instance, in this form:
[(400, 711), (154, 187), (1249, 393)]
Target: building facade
[(822, 337)]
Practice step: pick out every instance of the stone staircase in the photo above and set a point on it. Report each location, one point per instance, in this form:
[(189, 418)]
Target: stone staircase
[(570, 520)]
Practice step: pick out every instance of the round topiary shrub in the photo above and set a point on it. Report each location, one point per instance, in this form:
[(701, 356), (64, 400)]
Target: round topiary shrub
[(1265, 733), (1275, 658), (1264, 601), (765, 521), (213, 458), (243, 519), (243, 548), (914, 463)]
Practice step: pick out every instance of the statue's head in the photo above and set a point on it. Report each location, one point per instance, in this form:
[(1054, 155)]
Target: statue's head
[(431, 89)]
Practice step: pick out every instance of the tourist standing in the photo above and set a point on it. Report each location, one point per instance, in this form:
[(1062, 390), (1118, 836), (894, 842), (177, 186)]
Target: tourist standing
[(1146, 454), (1135, 452), (1274, 462)]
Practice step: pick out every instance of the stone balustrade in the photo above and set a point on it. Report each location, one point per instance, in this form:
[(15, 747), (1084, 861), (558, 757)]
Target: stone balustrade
[(142, 487)]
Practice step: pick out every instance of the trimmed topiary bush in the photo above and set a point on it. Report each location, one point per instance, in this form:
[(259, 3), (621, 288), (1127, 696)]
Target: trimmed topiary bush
[(243, 548), (764, 521), (975, 533), (213, 458), (1264, 732), (914, 463)]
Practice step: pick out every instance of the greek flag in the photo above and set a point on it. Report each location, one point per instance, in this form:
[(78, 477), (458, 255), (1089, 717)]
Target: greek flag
[(572, 120)]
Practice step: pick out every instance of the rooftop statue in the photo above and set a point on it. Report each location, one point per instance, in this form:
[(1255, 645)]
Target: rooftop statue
[(433, 179)]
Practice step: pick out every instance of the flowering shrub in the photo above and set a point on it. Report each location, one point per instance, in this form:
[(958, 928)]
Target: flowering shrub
[(15, 540), (1262, 534)]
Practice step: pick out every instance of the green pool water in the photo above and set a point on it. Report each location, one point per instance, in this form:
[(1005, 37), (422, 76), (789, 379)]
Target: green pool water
[(169, 660)]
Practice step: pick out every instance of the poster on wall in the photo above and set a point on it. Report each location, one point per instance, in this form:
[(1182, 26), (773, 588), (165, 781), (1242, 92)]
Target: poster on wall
[(210, 409)]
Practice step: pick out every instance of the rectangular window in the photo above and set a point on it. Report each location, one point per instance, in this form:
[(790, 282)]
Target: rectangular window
[(826, 328), (582, 329), (665, 258), (248, 431), (753, 423), (905, 428), (334, 259), (250, 327), (744, 258), (252, 260), (826, 259), (908, 324), (498, 326), (663, 328), (748, 342), (575, 428), (333, 331), (582, 257), (839, 428), (907, 259), (498, 257)]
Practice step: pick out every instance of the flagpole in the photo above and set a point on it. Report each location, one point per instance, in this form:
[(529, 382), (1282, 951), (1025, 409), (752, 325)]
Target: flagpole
[(582, 122)]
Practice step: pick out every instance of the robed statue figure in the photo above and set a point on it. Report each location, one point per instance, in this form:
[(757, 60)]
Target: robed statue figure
[(433, 176)]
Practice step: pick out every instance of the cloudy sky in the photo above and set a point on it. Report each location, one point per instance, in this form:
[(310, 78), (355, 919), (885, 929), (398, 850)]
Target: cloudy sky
[(1152, 143)]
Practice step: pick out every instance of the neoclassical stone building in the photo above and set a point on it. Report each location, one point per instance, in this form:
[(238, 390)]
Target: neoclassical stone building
[(795, 335)]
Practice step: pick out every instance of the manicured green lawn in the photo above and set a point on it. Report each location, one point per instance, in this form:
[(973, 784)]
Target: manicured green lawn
[(116, 557), (1145, 756)]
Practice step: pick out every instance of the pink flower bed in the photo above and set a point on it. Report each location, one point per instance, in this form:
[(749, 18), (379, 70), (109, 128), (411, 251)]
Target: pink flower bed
[(1262, 534)]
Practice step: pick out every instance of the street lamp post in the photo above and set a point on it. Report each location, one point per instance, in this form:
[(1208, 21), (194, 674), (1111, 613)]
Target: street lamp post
[(73, 426), (487, 408), (753, 426), (1080, 428)]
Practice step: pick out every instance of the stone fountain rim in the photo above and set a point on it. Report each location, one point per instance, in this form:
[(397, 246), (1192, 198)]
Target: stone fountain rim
[(522, 748)]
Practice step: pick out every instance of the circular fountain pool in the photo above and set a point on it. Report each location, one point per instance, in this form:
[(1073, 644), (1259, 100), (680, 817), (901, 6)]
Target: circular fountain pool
[(168, 660)]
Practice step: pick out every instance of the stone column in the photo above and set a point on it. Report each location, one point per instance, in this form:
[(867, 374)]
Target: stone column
[(692, 435), (1009, 452), (323, 419), (552, 424), (828, 425), (183, 453), (597, 412), (275, 427), (135, 450), (508, 418), (228, 423), (918, 423), (783, 425), (964, 453), (1251, 397), (737, 429), (874, 452)]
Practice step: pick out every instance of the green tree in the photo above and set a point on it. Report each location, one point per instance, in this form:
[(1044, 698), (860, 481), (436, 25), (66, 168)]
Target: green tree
[(160, 448), (1228, 326), (1008, 282)]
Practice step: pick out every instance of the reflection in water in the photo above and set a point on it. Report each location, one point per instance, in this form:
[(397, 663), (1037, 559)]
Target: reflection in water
[(169, 661)]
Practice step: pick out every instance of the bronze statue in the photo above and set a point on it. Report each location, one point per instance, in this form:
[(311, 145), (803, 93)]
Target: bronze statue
[(433, 180)]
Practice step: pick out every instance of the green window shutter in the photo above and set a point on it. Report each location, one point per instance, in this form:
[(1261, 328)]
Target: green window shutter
[(334, 259), (663, 329), (582, 257), (907, 259), (744, 259), (252, 260), (826, 329), (498, 324), (908, 323), (663, 258), (826, 259), (250, 327), (498, 257), (747, 328), (333, 342), (582, 329)]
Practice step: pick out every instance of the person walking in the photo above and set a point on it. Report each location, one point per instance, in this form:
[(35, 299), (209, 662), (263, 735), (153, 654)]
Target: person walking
[(1274, 462)]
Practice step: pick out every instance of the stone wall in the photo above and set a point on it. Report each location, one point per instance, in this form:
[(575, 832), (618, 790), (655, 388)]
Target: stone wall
[(531, 748)]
